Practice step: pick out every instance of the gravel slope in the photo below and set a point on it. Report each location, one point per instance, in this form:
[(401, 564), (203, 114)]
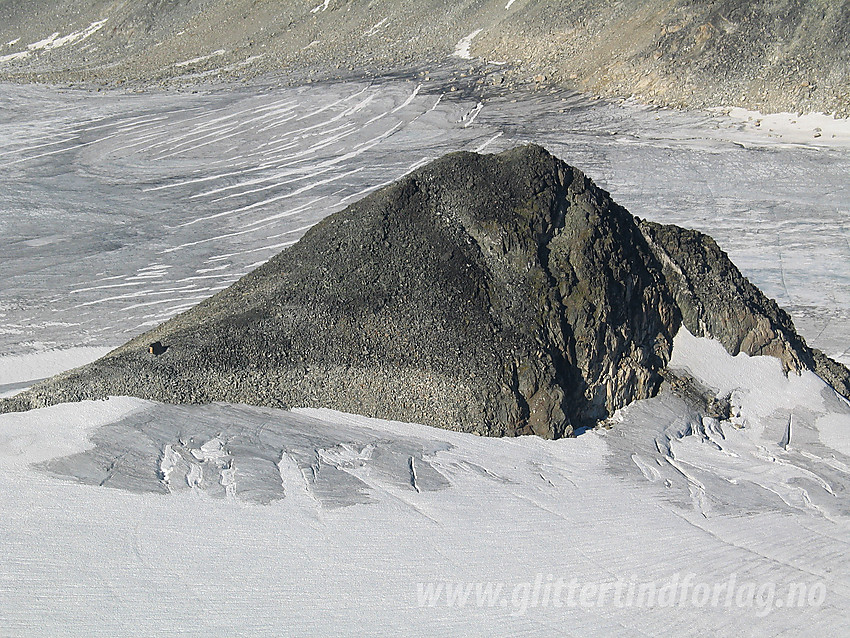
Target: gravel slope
[(783, 55)]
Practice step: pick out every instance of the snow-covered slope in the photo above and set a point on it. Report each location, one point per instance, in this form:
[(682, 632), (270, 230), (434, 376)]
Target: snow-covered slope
[(259, 522)]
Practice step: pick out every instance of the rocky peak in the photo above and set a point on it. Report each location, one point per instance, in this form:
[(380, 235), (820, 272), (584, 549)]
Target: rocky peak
[(496, 294)]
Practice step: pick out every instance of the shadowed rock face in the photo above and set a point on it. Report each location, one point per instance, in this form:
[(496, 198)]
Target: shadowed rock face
[(497, 294)]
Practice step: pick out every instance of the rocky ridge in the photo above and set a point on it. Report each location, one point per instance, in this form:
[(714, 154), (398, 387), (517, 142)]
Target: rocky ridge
[(496, 294)]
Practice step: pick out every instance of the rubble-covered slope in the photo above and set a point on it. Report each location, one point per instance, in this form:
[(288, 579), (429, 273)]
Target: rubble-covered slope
[(783, 55), (498, 294)]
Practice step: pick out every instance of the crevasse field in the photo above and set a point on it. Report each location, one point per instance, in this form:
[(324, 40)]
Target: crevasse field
[(126, 517)]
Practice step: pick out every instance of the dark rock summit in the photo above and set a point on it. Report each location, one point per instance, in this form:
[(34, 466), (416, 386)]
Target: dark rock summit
[(497, 294)]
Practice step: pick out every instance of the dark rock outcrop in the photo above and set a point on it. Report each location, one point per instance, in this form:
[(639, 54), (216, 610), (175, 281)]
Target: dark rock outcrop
[(498, 294), (717, 301)]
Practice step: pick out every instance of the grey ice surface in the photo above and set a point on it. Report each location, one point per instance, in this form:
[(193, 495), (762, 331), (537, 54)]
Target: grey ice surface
[(250, 453), (120, 210)]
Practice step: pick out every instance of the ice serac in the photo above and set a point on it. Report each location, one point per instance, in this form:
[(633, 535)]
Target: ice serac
[(497, 294)]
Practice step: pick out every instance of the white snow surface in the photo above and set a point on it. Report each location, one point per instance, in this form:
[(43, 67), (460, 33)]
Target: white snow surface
[(20, 371), (127, 517), (794, 128), (462, 48), (53, 41), (202, 58)]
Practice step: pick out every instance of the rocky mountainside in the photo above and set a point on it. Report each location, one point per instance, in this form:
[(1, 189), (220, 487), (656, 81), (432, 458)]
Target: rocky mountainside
[(777, 55), (497, 294)]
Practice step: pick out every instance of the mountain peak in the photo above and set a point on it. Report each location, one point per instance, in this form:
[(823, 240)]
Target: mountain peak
[(497, 294)]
